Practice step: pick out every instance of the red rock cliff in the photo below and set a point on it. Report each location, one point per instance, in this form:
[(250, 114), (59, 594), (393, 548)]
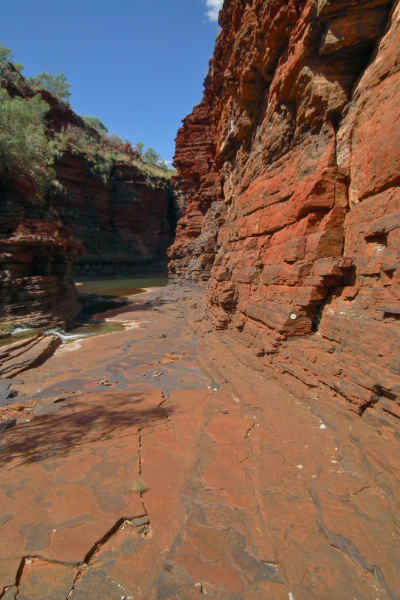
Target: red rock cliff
[(125, 224), (36, 270), (292, 167)]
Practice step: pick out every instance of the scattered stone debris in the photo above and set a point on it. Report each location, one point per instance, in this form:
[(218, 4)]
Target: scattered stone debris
[(105, 382), (16, 410)]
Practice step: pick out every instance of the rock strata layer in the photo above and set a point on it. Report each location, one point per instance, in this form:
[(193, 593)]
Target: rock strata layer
[(22, 356), (36, 275), (125, 225), (292, 167)]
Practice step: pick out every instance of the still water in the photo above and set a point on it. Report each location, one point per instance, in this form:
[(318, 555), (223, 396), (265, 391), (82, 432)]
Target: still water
[(121, 287)]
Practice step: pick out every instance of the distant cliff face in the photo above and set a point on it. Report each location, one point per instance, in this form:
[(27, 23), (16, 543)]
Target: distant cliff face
[(118, 223), (292, 166), (125, 224)]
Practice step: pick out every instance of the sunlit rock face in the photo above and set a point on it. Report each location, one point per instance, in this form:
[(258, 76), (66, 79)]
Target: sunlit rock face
[(292, 168)]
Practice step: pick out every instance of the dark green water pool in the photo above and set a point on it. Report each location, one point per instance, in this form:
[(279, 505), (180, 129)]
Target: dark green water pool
[(120, 287)]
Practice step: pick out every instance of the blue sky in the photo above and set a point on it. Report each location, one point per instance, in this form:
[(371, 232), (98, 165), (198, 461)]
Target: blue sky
[(139, 65)]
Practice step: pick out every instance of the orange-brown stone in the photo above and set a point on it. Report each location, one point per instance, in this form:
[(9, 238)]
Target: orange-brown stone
[(300, 243)]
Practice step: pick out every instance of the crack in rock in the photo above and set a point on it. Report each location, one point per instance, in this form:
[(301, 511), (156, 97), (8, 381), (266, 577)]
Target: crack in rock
[(350, 549)]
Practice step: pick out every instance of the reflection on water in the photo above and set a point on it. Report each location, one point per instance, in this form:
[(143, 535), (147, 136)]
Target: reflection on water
[(121, 287)]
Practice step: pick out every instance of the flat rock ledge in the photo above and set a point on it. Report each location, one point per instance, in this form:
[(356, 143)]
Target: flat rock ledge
[(26, 354), (158, 463)]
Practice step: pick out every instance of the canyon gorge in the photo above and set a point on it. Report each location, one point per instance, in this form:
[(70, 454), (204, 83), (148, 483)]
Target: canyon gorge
[(115, 222), (239, 438)]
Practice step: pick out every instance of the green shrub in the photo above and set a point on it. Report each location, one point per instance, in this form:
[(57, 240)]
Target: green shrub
[(25, 151), (119, 157), (151, 170), (114, 140), (151, 157), (56, 85), (8, 68), (139, 147), (96, 124), (6, 56), (75, 140)]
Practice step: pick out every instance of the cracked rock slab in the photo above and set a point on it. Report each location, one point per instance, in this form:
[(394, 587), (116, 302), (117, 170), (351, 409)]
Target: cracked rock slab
[(68, 478), (41, 580), (238, 491)]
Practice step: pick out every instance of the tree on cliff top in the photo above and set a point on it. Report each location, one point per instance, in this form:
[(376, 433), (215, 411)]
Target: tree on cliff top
[(151, 157), (7, 58), (56, 85), (139, 147), (25, 152), (96, 124), (5, 54), (114, 140)]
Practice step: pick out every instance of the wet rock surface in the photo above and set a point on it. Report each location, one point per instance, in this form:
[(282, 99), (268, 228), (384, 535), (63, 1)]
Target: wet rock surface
[(208, 479)]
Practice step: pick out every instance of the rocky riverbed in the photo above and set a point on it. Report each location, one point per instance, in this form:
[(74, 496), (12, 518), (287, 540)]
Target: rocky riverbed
[(159, 462)]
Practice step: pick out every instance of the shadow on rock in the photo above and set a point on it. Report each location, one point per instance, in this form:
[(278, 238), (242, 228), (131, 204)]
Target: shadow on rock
[(91, 418)]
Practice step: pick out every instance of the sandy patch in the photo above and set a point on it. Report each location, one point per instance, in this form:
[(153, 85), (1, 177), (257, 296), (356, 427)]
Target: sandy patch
[(71, 347)]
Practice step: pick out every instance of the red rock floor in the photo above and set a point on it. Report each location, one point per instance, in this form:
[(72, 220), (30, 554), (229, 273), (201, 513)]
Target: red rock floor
[(209, 481)]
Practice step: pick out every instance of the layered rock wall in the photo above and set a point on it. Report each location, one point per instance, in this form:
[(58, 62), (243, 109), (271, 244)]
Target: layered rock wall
[(36, 275), (294, 222), (125, 224)]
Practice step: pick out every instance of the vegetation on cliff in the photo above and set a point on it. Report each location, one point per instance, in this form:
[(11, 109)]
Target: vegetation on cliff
[(7, 58), (96, 123), (152, 158), (102, 153), (100, 158), (55, 84), (25, 151), (29, 147), (26, 145)]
